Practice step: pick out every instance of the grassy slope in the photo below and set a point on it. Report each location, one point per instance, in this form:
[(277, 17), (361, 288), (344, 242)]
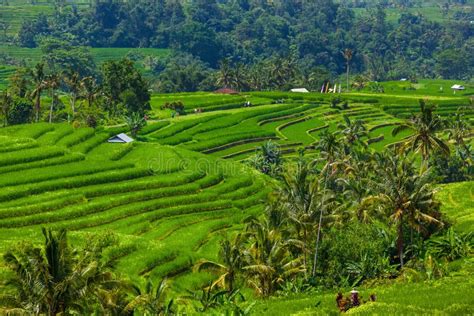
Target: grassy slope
[(165, 204)]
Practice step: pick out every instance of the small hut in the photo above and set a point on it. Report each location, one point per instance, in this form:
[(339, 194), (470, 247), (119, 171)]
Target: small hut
[(120, 138), (300, 90), (457, 87)]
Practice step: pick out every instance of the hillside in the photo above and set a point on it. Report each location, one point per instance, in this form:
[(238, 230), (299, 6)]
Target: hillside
[(223, 130), (166, 205)]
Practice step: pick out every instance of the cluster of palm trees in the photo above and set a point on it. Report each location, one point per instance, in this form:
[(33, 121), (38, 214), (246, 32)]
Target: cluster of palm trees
[(347, 183), (35, 82), (57, 279), (278, 73)]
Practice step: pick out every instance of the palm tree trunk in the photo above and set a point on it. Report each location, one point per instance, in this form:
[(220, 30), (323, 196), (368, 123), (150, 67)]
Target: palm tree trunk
[(318, 238), (51, 107), (305, 259), (400, 242), (73, 107), (38, 106), (347, 75)]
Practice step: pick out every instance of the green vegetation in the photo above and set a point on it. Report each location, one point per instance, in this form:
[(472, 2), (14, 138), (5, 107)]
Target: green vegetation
[(169, 207), (156, 157)]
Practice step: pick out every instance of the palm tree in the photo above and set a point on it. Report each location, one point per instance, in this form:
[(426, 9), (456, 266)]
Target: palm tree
[(459, 130), (39, 83), (407, 196), (52, 83), (347, 53), (269, 262), (89, 90), (6, 103), (72, 79), (43, 279), (424, 139), (232, 263), (226, 77), (135, 123), (299, 195), (152, 300), (359, 82), (329, 145), (353, 131), (55, 279)]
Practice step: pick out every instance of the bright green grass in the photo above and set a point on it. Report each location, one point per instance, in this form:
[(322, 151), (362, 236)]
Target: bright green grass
[(155, 198), (458, 203), (235, 134), (448, 296)]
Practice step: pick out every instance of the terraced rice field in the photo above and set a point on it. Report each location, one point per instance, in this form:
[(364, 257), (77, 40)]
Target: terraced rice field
[(167, 206), (236, 134), (168, 198)]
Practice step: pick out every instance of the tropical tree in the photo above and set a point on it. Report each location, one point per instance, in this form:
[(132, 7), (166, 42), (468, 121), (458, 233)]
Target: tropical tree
[(347, 53), (152, 300), (73, 81), (52, 82), (6, 103), (268, 160), (424, 139), (39, 84), (135, 122), (269, 262), (329, 145), (89, 90), (407, 197), (299, 195), (231, 255), (458, 129), (353, 131), (56, 279), (226, 76)]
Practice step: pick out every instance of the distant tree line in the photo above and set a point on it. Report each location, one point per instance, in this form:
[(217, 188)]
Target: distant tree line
[(316, 35), (66, 85)]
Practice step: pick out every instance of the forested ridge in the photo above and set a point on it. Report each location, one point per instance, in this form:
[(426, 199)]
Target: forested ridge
[(311, 34)]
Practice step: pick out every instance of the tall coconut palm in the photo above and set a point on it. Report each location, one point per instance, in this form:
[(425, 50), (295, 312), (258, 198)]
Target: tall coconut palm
[(299, 195), (52, 83), (89, 90), (424, 139), (347, 53), (47, 273), (231, 255), (38, 76), (407, 197), (72, 79)]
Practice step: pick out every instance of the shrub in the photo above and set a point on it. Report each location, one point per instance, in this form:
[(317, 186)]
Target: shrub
[(21, 111)]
